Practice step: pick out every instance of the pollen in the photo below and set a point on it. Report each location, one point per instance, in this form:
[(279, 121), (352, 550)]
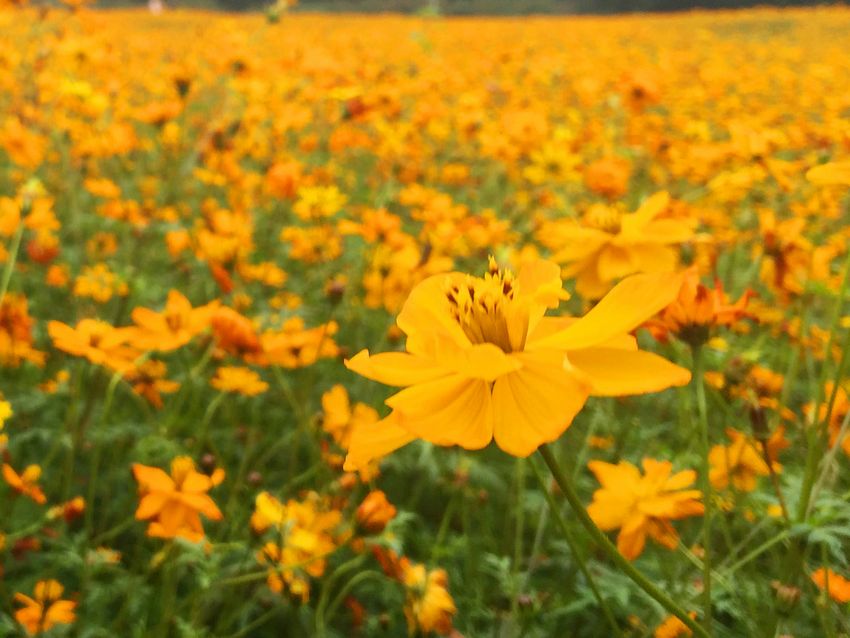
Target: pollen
[(481, 306)]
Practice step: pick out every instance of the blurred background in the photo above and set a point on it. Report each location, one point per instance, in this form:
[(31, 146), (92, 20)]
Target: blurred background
[(479, 7)]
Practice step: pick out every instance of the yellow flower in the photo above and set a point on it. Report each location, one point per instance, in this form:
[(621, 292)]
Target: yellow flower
[(240, 380), (340, 418), (642, 505), (483, 363), (742, 461), (609, 245)]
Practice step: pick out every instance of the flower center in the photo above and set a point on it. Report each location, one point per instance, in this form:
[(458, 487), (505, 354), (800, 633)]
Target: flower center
[(479, 306)]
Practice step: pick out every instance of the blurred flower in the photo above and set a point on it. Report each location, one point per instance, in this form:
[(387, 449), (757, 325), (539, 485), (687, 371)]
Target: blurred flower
[(239, 380), (642, 505), (25, 483), (46, 609), (837, 586), (173, 503), (375, 512)]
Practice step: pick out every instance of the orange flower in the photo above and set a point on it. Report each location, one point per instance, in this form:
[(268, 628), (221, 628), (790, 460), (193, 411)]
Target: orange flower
[(696, 310), (429, 606), (26, 482), (672, 627), (837, 585), (234, 333), (608, 176), (239, 380), (642, 505), (175, 326), (375, 512), (46, 610), (97, 341), (148, 381), (173, 503)]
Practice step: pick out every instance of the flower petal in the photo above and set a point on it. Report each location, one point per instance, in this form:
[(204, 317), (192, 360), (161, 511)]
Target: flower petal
[(395, 368), (454, 410), (373, 440), (627, 306), (535, 404), (613, 372)]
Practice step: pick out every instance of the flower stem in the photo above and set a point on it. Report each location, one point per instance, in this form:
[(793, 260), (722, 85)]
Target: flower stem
[(571, 543), (10, 264), (608, 547), (708, 499)]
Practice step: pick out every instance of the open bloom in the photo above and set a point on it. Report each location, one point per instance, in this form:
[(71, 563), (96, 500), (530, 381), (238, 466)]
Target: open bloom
[(45, 610), (174, 503), (642, 505), (609, 245), (483, 363), (175, 326)]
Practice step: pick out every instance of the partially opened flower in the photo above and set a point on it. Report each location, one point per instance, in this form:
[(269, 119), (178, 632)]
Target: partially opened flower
[(46, 609), (484, 363), (25, 483), (642, 505)]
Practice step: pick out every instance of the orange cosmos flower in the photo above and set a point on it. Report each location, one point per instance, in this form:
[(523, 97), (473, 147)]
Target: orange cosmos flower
[(16, 339), (672, 627), (642, 505), (483, 363), (696, 310), (46, 610), (148, 380), (175, 326), (837, 586), (375, 512), (97, 341), (240, 380), (173, 503), (608, 245), (26, 482)]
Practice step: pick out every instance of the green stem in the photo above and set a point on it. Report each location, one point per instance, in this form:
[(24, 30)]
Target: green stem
[(10, 263), (708, 499), (579, 558), (610, 550)]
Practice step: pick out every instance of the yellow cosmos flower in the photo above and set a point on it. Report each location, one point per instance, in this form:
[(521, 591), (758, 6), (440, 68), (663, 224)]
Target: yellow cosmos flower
[(608, 245), (642, 505), (484, 363)]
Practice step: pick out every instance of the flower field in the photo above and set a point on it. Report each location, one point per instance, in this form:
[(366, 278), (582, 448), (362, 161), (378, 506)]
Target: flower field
[(317, 325)]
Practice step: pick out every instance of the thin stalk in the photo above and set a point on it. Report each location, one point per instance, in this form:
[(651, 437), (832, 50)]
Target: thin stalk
[(708, 499), (579, 558), (610, 550), (10, 262)]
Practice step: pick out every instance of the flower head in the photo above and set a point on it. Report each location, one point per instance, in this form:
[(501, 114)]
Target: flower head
[(173, 503), (45, 609), (642, 505), (483, 363)]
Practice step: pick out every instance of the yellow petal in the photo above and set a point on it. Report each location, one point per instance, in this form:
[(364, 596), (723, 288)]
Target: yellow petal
[(649, 210), (395, 368), (627, 306), (454, 410), (612, 372), (615, 262), (535, 404), (832, 174), (373, 440)]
